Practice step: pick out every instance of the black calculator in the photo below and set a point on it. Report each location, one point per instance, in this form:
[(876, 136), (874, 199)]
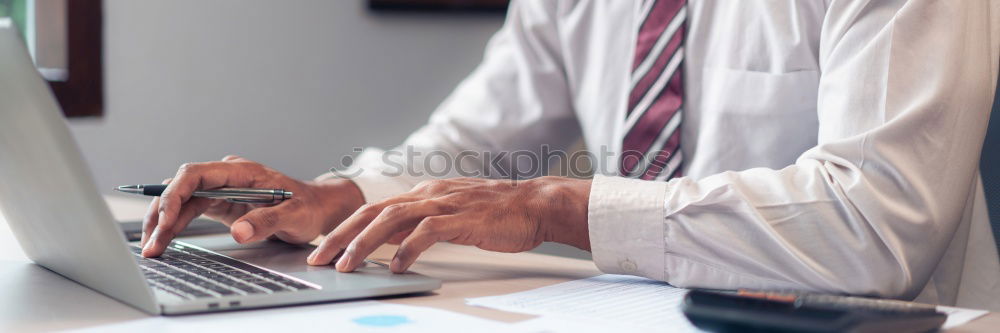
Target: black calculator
[(789, 312)]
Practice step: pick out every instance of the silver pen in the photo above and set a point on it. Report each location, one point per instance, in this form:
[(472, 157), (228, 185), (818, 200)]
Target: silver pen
[(237, 195)]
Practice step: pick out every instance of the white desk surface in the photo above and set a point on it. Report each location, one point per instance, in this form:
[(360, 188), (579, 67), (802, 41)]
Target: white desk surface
[(35, 299)]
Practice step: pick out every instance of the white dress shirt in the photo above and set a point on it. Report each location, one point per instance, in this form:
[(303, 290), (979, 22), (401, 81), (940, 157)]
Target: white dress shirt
[(828, 146)]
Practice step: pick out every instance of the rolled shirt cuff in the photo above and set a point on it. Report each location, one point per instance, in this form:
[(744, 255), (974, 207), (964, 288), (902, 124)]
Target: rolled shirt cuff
[(626, 220)]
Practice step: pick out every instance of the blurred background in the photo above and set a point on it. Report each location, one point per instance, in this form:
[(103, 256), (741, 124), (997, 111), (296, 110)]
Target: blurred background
[(291, 84)]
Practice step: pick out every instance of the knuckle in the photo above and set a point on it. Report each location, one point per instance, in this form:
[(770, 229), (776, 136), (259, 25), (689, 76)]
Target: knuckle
[(439, 186), (432, 185), (423, 183), (187, 168), (447, 207), (497, 186), (393, 210), (251, 164), (368, 209), (433, 224), (170, 199), (166, 204)]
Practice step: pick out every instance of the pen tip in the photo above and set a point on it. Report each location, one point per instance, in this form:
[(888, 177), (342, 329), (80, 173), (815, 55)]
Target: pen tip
[(128, 188)]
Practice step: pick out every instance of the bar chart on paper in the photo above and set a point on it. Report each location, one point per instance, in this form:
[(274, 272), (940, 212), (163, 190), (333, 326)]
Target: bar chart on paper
[(618, 300)]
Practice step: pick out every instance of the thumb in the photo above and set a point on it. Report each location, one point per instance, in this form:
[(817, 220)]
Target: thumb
[(258, 224)]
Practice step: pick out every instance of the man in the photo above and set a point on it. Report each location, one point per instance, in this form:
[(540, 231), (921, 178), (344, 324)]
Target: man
[(816, 145)]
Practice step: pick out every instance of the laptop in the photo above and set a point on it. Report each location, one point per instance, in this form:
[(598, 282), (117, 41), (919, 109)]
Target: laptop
[(63, 224)]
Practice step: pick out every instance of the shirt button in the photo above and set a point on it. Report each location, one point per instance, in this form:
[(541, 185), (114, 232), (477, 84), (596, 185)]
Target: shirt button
[(628, 266)]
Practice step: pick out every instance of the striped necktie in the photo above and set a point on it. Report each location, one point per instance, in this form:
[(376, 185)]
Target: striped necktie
[(651, 146)]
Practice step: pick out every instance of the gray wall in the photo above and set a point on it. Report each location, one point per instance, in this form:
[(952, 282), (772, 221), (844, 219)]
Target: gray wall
[(292, 84)]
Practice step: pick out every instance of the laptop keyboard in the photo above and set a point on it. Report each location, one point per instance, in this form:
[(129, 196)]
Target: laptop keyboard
[(192, 273)]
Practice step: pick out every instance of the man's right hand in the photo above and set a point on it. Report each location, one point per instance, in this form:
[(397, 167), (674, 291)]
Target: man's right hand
[(314, 209)]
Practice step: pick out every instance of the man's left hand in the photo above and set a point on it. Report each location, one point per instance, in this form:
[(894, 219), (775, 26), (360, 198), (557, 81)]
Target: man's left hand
[(495, 215)]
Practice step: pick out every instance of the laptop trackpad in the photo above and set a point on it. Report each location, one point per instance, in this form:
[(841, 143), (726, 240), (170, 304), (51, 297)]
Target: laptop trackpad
[(276, 255)]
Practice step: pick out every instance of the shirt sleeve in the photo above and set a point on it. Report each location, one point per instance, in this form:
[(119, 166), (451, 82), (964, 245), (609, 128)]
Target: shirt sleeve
[(513, 109), (903, 103)]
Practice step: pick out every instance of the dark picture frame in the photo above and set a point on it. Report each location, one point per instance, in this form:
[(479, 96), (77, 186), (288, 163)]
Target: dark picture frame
[(82, 93), (439, 5)]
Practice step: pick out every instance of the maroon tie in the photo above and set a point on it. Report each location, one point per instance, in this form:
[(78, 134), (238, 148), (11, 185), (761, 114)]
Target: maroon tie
[(651, 147)]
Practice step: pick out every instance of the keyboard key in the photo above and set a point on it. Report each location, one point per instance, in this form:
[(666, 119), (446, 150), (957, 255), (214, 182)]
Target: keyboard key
[(247, 288), (272, 287)]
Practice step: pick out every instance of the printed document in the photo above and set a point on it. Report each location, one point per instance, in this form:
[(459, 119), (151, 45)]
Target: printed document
[(620, 300)]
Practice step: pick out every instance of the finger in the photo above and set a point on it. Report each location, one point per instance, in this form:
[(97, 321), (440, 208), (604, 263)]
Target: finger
[(194, 176), (230, 158), (326, 251), (431, 230), (149, 221), (160, 238), (337, 239), (152, 215), (194, 208), (260, 223), (392, 219)]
